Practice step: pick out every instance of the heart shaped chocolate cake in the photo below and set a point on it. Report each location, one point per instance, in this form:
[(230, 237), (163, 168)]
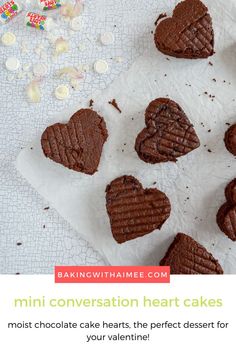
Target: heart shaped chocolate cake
[(186, 256), (168, 135), (134, 211), (188, 33), (78, 144)]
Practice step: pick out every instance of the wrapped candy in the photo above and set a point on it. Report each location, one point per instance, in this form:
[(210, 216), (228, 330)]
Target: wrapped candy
[(39, 21), (50, 4), (9, 10)]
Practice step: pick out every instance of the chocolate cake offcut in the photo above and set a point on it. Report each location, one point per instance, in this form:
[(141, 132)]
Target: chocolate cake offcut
[(78, 144), (168, 134), (188, 33), (186, 256), (134, 211)]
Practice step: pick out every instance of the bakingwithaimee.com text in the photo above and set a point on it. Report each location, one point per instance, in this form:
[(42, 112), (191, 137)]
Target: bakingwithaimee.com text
[(109, 275)]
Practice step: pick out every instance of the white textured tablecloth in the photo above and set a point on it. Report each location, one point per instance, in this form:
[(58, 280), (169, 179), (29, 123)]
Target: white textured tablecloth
[(45, 238)]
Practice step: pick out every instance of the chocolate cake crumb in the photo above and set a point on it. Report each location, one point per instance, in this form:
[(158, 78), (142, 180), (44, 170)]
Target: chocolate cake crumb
[(19, 243), (214, 80), (17, 273), (47, 208), (209, 150), (91, 102), (209, 130), (160, 17), (115, 105), (210, 63), (44, 226)]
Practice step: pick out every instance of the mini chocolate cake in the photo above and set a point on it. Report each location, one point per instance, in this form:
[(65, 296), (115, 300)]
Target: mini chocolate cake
[(168, 134), (134, 211), (188, 33), (186, 256), (78, 144)]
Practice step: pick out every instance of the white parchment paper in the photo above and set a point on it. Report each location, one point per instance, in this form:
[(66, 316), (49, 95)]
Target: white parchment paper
[(195, 184)]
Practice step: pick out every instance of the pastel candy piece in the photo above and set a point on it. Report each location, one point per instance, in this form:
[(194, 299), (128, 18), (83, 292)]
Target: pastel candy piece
[(62, 92), (8, 39), (12, 64), (40, 70), (101, 66), (76, 24), (107, 38)]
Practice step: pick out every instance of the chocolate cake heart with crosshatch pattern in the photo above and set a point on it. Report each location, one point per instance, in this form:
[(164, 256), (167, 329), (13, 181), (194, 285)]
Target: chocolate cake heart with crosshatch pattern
[(186, 256), (78, 144), (168, 135), (133, 210), (188, 33)]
